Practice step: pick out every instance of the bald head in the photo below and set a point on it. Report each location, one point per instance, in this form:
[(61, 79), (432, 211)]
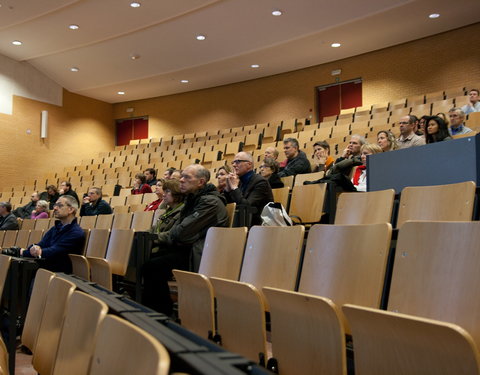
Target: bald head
[(243, 163), (271, 153)]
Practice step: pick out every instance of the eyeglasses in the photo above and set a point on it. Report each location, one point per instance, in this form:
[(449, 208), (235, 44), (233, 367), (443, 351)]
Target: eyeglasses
[(240, 161), (60, 205)]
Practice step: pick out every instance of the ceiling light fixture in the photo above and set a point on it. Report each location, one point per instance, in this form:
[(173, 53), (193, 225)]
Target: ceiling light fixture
[(335, 45), (73, 27), (184, 81), (254, 66), (121, 93), (134, 56), (201, 37), (17, 43), (434, 15), (74, 69), (277, 13), (135, 4)]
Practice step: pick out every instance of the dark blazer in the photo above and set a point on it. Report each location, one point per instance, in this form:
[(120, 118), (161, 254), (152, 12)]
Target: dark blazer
[(257, 194), (8, 222)]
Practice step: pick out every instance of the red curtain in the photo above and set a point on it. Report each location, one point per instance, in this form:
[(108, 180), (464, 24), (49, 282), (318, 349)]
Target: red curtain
[(333, 98), (131, 129)]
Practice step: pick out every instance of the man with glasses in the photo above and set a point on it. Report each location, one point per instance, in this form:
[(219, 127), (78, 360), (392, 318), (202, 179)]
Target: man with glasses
[(66, 237), (246, 188), (408, 138)]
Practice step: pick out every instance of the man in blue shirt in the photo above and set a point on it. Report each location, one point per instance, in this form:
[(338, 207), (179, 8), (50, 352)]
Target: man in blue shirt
[(66, 237), (457, 126)]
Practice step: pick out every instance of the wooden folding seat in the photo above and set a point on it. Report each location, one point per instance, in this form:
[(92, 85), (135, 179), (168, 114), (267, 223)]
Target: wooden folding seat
[(22, 238), (341, 130), (9, 238), (307, 334), (288, 181), (396, 114), (392, 343), (301, 178), (282, 195), (306, 136), (397, 104), (347, 112), (141, 353), (420, 110), (365, 208), (452, 202), (35, 236), (149, 198), (195, 292), (434, 96), (58, 294), (442, 106), (122, 181), (121, 209), (435, 273), (271, 258), (453, 92), (413, 101), (116, 259), (252, 142), (134, 199), (117, 200), (122, 220), (83, 315), (461, 100), (142, 221), (271, 134), (306, 204), (104, 221)]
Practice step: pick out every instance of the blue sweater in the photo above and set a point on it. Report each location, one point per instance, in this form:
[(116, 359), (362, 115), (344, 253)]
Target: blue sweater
[(57, 243)]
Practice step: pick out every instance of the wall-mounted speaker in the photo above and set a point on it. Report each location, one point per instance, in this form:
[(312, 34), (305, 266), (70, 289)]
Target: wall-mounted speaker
[(44, 125)]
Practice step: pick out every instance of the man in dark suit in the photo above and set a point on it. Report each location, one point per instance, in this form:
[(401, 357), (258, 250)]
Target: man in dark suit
[(8, 221), (245, 187)]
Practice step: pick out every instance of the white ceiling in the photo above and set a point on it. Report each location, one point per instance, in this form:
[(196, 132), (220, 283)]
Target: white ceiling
[(239, 33)]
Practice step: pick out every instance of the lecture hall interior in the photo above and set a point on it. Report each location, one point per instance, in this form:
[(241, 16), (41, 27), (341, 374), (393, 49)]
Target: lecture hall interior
[(382, 282)]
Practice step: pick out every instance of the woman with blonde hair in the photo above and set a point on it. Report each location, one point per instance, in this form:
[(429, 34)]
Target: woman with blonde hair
[(359, 178), (386, 140)]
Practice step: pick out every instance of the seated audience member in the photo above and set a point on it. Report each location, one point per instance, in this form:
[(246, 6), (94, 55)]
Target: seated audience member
[(473, 102), (167, 175), (353, 149), (159, 191), (66, 189), (408, 138), (386, 140), (173, 199), (140, 186), (182, 249), (8, 221), (93, 204), (151, 176), (321, 157), (176, 175), (359, 178), (297, 162), (269, 170), (41, 210), (444, 117), (221, 176), (25, 212), (51, 195), (457, 126), (437, 130), (422, 124), (271, 153), (246, 188), (66, 237)]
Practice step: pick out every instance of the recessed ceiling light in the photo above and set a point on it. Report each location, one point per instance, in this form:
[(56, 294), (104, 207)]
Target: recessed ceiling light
[(134, 56), (74, 69), (184, 81), (17, 43), (254, 66), (201, 37), (434, 15), (135, 4), (277, 13), (73, 27), (335, 45), (121, 93)]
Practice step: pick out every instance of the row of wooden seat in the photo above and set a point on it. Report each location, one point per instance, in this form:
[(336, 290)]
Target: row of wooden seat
[(71, 332), (307, 327)]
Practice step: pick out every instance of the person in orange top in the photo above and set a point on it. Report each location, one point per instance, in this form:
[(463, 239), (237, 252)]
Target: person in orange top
[(321, 157)]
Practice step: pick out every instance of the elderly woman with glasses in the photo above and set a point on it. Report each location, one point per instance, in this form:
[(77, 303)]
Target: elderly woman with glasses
[(41, 210)]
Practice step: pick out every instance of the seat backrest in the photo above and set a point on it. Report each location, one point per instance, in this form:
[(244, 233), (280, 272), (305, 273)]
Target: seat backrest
[(307, 202), (301, 178), (142, 221), (104, 221), (118, 251), (453, 202), (395, 344), (36, 307), (346, 263), (281, 195), (35, 236), (365, 208), (122, 348), (97, 243), (272, 256), (22, 238), (231, 212), (28, 223), (42, 224), (149, 198), (83, 315), (223, 252), (88, 222), (58, 294), (134, 199), (436, 274), (288, 181), (9, 238), (122, 221), (4, 267)]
